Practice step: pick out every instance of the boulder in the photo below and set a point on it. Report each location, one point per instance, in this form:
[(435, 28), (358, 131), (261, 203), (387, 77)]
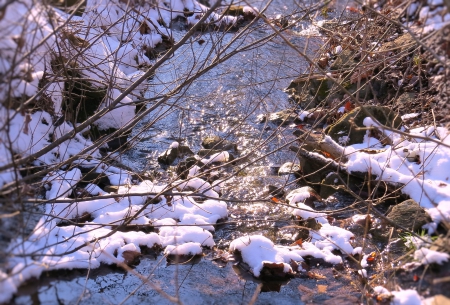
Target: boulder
[(409, 214), (344, 61), (348, 125)]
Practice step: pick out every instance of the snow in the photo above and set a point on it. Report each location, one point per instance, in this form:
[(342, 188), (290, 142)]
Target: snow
[(257, 250), (296, 199), (62, 183), (406, 297), (333, 238), (427, 256), (425, 179), (189, 248), (363, 273), (223, 156)]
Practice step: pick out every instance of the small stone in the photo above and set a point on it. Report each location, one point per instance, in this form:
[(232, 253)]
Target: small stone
[(289, 168), (111, 188), (409, 214), (216, 142)]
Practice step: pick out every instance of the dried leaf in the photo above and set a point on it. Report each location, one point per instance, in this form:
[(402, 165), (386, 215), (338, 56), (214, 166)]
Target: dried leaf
[(371, 257), (298, 242), (144, 28), (276, 200), (26, 123), (349, 106), (316, 276), (322, 288)]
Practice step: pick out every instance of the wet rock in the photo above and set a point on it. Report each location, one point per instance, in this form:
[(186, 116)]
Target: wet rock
[(185, 150), (345, 131), (183, 167), (275, 271), (305, 194), (329, 185), (175, 150), (289, 168), (69, 6), (396, 247), (207, 152), (284, 117), (131, 258), (216, 142), (275, 191), (409, 214), (152, 53), (169, 156), (111, 188), (238, 10), (99, 179)]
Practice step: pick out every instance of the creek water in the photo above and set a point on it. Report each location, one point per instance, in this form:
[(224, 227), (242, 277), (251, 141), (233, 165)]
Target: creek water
[(225, 101)]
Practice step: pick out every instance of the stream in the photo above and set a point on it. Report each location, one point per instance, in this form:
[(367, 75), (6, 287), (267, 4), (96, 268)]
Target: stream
[(226, 102)]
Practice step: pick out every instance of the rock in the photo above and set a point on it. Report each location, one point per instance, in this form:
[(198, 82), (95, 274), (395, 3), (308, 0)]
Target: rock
[(344, 61), (345, 130), (397, 248), (289, 168), (208, 152), (99, 179), (405, 101), (111, 188), (305, 194), (183, 167), (131, 258), (326, 186), (216, 142), (275, 191), (185, 150), (169, 156), (239, 10), (403, 43), (284, 117), (316, 85), (409, 214)]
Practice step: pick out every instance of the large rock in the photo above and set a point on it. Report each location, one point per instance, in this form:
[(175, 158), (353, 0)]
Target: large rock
[(344, 61), (348, 125), (409, 215), (316, 85)]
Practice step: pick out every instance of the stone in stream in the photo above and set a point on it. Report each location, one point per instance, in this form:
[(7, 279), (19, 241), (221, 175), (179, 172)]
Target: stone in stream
[(289, 168), (174, 151), (284, 117), (216, 142), (409, 215), (305, 194)]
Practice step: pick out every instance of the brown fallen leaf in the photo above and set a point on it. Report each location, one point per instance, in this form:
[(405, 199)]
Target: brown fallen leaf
[(298, 242), (322, 288), (316, 276)]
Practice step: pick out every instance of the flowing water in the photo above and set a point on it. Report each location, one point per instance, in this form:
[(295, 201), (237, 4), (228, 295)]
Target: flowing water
[(225, 101)]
